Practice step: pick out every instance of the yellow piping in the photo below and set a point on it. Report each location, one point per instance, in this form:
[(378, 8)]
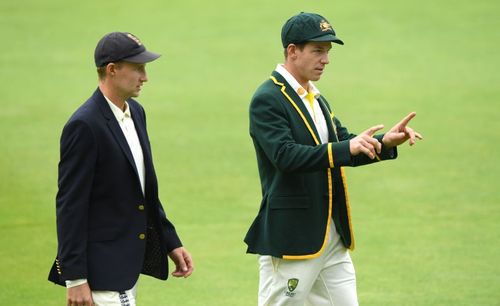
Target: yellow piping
[(330, 206), (330, 154), (348, 206), (346, 193), (330, 189), (296, 108)]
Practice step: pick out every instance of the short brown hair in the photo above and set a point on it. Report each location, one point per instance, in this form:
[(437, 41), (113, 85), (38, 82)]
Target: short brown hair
[(299, 46), (101, 71)]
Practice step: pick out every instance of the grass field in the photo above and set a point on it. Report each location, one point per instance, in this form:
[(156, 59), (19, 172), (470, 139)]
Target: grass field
[(426, 224)]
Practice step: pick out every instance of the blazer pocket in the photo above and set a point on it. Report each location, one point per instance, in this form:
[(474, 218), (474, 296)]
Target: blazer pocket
[(290, 202)]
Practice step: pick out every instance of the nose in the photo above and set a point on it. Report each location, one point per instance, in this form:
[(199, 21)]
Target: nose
[(144, 77), (325, 59)]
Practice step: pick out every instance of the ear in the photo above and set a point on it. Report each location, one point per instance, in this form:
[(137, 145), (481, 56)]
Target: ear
[(111, 69), (291, 50)]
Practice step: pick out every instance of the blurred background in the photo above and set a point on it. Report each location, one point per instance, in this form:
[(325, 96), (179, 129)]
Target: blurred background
[(426, 224)]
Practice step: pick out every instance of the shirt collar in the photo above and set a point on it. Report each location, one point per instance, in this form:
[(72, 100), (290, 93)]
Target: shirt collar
[(301, 91), (119, 114)]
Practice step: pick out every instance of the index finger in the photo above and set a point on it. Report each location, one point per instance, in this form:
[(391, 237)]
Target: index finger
[(373, 129), (189, 261), (407, 119)]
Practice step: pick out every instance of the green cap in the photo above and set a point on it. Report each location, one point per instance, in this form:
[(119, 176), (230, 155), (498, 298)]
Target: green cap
[(306, 27)]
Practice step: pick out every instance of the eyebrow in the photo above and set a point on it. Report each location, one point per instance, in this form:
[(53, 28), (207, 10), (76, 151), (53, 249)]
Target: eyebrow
[(323, 48)]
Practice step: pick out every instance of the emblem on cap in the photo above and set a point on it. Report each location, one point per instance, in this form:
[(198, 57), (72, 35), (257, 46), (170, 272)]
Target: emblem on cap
[(325, 26), (134, 39)]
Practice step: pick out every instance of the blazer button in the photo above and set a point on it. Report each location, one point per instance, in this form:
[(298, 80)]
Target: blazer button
[(141, 207), (142, 236)]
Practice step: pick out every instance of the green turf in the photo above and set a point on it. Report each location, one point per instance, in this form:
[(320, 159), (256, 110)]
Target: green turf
[(426, 224)]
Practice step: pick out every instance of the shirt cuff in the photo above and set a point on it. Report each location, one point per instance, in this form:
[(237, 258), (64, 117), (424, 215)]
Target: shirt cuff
[(76, 282)]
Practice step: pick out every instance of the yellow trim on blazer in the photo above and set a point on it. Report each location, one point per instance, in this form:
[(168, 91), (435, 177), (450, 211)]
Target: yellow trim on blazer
[(346, 193), (283, 87), (330, 154), (330, 207), (348, 206), (330, 183)]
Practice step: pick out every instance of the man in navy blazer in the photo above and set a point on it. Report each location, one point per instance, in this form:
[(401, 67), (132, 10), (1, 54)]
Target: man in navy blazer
[(111, 226)]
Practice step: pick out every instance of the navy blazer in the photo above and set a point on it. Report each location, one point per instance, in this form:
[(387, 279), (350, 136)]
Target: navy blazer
[(108, 231)]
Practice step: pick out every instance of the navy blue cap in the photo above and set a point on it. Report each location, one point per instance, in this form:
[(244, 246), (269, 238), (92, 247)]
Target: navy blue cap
[(122, 46)]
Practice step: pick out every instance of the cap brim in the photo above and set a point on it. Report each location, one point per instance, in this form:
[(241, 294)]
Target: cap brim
[(142, 58), (328, 37)]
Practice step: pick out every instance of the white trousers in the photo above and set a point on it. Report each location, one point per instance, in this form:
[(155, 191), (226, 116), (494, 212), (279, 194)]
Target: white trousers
[(115, 298), (329, 279)]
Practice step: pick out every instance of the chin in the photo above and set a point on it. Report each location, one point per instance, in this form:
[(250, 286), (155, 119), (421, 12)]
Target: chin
[(315, 75)]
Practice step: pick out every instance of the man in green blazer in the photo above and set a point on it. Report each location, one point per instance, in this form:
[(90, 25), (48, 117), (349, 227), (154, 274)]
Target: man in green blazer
[(303, 228)]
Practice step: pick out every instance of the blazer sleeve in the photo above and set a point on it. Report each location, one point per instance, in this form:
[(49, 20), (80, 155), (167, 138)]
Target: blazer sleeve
[(76, 174), (170, 239), (361, 159), (270, 129)]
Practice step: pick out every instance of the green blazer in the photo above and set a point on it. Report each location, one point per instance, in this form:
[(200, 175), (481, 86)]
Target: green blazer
[(303, 183)]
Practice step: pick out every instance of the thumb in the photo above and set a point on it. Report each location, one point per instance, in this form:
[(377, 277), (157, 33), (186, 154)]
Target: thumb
[(182, 264), (373, 130), (399, 134)]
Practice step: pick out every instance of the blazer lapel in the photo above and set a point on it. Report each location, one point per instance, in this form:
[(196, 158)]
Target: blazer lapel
[(332, 135), (150, 187), (115, 129), (140, 128), (297, 103)]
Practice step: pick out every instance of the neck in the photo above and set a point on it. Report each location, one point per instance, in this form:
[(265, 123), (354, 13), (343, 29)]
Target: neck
[(303, 82), (112, 95)]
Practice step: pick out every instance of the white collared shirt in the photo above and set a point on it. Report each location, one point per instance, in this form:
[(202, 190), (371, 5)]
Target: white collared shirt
[(316, 113), (126, 123)]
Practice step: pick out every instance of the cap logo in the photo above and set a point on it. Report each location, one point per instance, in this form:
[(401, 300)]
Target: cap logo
[(138, 42), (325, 26)]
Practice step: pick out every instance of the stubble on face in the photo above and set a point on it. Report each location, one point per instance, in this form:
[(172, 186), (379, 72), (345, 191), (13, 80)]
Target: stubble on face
[(308, 63), (130, 78)]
